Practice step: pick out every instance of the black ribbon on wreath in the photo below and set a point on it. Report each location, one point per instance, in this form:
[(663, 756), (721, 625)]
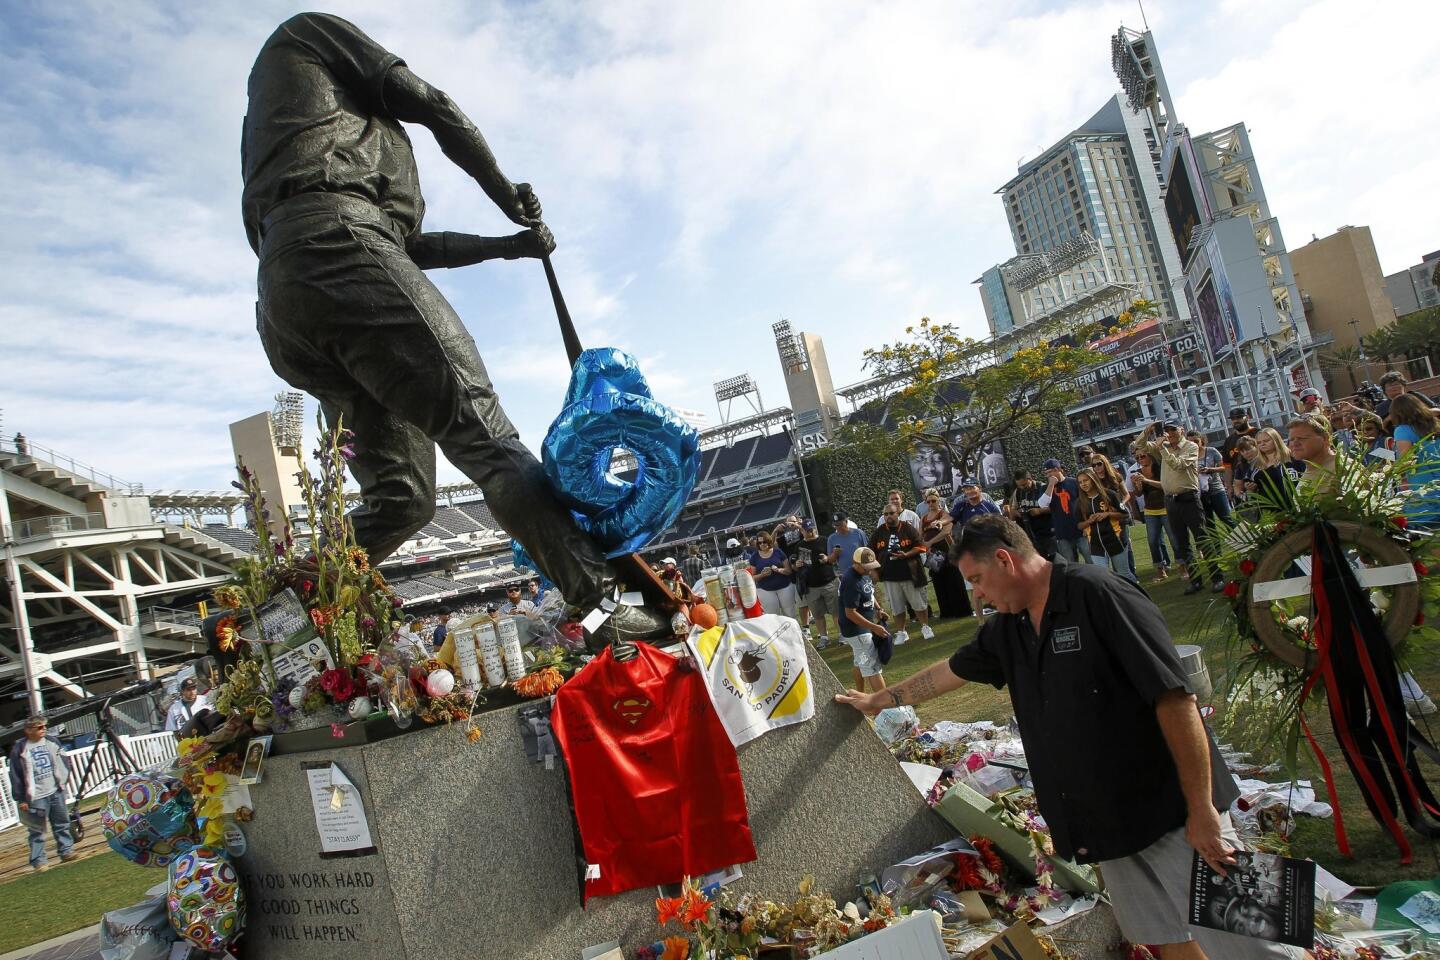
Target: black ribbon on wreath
[(1380, 744)]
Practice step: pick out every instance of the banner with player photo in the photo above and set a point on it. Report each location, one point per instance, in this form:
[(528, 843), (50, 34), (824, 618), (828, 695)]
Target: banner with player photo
[(930, 466)]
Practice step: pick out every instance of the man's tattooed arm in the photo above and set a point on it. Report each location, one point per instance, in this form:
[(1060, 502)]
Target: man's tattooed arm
[(928, 684)]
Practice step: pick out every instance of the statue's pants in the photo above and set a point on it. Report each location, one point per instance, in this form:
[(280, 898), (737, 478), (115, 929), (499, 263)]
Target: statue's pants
[(347, 316)]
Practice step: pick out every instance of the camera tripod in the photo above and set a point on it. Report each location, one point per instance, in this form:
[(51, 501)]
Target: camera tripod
[(117, 762)]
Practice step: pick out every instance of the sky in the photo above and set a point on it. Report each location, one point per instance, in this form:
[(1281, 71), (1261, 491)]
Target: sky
[(707, 169)]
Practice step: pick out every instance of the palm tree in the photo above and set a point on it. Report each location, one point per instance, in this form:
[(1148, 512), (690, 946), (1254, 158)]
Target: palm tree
[(1347, 359), (1381, 344), (1418, 334)]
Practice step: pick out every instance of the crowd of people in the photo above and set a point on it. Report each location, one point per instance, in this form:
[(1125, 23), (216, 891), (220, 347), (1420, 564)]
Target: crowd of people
[(871, 581)]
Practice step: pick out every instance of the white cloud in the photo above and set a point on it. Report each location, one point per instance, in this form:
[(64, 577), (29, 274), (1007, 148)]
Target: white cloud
[(707, 169)]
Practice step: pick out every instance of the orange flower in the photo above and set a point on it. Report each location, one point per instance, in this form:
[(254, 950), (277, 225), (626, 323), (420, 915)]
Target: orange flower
[(696, 909), (667, 909), (676, 948), (227, 634)]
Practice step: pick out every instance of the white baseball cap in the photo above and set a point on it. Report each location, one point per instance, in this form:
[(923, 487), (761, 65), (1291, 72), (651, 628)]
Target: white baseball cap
[(668, 561), (732, 542)]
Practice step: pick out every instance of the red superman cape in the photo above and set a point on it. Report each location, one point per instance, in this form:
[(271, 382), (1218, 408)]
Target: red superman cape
[(654, 779)]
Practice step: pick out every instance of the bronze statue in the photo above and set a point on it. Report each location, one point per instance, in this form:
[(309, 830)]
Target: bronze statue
[(332, 207)]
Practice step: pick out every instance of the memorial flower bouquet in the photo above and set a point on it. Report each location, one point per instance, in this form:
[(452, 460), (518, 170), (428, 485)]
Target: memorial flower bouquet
[(722, 927), (306, 583)]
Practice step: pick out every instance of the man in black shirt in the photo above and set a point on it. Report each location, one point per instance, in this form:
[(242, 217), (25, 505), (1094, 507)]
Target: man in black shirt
[(1034, 519), (1125, 773), (897, 545), (1240, 427), (816, 573), (332, 207)]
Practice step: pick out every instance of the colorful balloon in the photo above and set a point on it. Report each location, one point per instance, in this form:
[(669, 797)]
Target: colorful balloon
[(149, 819), (206, 903), (609, 406)]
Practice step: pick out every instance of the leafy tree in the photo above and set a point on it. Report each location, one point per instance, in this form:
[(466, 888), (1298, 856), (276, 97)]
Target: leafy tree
[(955, 393)]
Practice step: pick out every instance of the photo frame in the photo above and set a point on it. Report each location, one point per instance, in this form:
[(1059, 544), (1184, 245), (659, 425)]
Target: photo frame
[(252, 768)]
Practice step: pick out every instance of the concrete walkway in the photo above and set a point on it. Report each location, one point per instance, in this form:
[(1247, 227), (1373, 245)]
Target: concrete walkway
[(83, 944)]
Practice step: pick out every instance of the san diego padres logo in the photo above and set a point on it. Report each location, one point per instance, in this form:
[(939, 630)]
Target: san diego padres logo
[(756, 671)]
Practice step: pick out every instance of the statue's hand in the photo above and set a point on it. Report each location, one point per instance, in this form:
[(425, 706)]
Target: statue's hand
[(526, 208), (536, 242)]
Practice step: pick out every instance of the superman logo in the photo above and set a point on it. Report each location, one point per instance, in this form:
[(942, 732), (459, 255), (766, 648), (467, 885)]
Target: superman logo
[(631, 709)]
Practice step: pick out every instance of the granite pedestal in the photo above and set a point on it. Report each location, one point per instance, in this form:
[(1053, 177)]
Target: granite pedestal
[(475, 852)]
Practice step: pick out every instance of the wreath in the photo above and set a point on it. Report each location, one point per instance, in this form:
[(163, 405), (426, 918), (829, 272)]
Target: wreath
[(1329, 590), (1273, 640)]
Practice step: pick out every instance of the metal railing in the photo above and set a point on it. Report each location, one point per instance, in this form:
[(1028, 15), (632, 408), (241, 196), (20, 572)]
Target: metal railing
[(45, 455), (39, 528), (149, 751), (1125, 390), (172, 617)]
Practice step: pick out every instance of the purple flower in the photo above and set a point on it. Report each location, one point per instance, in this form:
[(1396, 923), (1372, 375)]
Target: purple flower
[(348, 451), (367, 622), (397, 603)]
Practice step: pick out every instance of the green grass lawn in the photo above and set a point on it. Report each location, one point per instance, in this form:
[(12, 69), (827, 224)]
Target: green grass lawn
[(39, 906), (1376, 860)]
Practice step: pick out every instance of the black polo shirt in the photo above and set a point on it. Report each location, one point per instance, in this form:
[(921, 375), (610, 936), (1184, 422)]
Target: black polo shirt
[(1084, 694)]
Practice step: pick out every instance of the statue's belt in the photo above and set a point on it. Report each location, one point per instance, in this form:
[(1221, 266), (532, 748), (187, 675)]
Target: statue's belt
[(306, 204)]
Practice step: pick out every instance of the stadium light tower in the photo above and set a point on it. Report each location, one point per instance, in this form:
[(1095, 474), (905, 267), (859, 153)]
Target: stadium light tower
[(793, 355), (740, 387), (288, 421)]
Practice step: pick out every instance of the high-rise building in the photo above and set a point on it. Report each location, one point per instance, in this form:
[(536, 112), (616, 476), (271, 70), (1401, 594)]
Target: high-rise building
[(1235, 273), (1343, 294), (1414, 288), (1089, 183), (1088, 222)]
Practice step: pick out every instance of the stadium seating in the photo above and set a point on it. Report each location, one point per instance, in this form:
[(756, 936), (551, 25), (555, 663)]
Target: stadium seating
[(771, 449), (477, 511), (732, 459), (239, 539)]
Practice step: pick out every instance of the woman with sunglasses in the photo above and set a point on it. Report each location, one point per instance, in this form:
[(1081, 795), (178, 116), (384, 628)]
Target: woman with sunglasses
[(1113, 480), (1099, 515), (1146, 489), (936, 531), (774, 577)]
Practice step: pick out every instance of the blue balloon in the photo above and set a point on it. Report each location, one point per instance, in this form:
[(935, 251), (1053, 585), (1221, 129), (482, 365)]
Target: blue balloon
[(520, 559), (609, 406)]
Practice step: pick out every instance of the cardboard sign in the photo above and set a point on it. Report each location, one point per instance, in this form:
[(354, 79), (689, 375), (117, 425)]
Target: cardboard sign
[(1016, 943), (917, 937)]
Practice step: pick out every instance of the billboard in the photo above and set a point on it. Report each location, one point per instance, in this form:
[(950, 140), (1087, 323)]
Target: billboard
[(1242, 284), (1212, 319), (1182, 205), (930, 466)]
